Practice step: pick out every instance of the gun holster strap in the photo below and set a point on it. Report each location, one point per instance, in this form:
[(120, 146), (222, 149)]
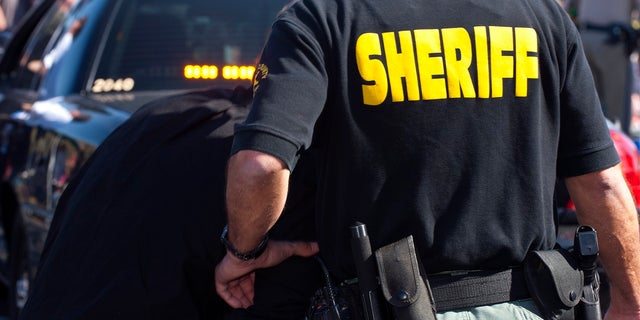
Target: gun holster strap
[(477, 288)]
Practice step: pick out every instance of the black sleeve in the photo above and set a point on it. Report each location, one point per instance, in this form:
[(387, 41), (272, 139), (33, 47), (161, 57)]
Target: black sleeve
[(585, 142), (290, 90)]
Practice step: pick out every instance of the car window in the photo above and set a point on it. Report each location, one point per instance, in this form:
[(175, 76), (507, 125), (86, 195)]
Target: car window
[(155, 45), (31, 65)]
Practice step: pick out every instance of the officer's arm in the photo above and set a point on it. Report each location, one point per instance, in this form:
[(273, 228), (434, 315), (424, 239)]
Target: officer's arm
[(604, 202), (257, 185)]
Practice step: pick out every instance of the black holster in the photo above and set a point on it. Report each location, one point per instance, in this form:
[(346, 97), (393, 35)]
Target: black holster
[(403, 281), (402, 289), (565, 284), (554, 282)]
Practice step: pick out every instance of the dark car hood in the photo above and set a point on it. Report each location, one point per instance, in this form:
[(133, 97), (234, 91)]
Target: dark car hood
[(127, 102), (98, 114)]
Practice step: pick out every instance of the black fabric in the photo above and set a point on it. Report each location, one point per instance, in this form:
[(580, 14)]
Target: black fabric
[(136, 233), (420, 151), (283, 292), (465, 290)]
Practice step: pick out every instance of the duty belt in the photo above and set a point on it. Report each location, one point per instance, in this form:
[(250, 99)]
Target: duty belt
[(470, 289)]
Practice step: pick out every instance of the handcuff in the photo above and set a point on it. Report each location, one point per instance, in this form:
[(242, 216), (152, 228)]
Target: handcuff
[(245, 256)]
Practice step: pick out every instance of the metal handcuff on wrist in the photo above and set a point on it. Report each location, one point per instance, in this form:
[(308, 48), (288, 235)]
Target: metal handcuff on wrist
[(245, 256)]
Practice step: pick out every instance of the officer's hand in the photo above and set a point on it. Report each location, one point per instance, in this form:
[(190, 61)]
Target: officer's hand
[(235, 277)]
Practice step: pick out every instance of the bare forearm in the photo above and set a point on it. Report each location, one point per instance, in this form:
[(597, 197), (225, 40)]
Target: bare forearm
[(256, 193), (604, 202)]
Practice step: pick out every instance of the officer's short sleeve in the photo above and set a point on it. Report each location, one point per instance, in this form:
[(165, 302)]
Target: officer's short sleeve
[(585, 142), (290, 90)]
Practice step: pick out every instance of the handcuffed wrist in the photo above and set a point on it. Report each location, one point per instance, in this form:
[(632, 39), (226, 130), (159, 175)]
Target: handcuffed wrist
[(245, 256)]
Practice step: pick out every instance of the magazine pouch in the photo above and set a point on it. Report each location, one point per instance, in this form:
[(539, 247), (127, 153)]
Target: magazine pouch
[(403, 283), (554, 281)]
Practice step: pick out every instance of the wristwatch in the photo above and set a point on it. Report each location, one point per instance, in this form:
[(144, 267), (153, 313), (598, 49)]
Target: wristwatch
[(245, 256)]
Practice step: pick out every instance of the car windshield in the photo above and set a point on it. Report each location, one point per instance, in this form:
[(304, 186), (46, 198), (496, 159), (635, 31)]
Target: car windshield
[(160, 44)]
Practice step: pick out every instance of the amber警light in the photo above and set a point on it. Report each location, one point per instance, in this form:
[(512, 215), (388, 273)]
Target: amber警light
[(212, 72)]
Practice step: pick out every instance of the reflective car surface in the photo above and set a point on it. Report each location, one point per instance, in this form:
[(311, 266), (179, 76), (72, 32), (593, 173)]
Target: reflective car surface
[(76, 70)]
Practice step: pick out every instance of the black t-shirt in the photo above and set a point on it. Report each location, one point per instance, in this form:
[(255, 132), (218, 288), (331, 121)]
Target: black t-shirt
[(447, 120)]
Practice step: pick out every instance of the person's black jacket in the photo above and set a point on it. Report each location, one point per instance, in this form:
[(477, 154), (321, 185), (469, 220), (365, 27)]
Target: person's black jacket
[(136, 232)]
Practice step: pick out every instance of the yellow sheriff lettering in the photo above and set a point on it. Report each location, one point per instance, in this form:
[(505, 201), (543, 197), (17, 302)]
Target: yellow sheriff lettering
[(482, 64), (502, 60), (372, 69), (448, 63), (401, 65), (527, 66), (458, 55), (430, 64)]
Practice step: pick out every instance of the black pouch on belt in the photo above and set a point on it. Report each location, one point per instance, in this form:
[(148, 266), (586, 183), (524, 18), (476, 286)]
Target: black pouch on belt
[(403, 282), (554, 281)]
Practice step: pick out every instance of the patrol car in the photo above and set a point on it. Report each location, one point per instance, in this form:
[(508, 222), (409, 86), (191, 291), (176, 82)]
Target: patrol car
[(76, 69)]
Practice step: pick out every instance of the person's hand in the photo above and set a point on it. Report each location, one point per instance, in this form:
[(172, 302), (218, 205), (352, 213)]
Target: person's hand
[(235, 278)]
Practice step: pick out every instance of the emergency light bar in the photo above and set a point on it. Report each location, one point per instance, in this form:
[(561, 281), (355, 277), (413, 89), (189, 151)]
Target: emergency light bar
[(212, 72)]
